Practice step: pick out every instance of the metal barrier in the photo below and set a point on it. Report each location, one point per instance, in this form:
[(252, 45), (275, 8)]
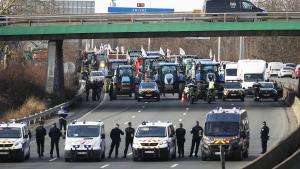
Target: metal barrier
[(33, 119), (150, 18)]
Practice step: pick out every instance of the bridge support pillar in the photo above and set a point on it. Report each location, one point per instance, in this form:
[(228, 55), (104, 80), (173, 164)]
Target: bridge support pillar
[(55, 72)]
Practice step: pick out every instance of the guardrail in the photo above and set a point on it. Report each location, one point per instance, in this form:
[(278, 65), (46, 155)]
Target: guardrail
[(150, 17), (33, 119)]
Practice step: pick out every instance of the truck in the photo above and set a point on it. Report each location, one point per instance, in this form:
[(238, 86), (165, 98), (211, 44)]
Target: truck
[(274, 68), (123, 81), (231, 71), (250, 71), (168, 80)]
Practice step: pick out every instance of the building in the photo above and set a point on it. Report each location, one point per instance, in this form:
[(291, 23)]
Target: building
[(74, 7)]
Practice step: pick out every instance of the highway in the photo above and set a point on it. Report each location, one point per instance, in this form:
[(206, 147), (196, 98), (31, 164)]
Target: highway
[(126, 109)]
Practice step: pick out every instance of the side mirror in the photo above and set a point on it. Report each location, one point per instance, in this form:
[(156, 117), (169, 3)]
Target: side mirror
[(102, 136)]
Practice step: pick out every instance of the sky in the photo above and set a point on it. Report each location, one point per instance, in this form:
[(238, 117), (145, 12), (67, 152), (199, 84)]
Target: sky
[(178, 5)]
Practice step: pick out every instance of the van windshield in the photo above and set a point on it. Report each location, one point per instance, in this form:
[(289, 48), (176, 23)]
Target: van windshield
[(151, 132), (10, 132), (231, 72), (83, 131), (253, 77), (218, 128)]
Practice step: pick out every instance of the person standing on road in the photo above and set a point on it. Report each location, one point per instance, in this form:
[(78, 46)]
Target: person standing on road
[(40, 138), (115, 136), (197, 132), (111, 90), (87, 89), (180, 136), (129, 138), (264, 136), (54, 134)]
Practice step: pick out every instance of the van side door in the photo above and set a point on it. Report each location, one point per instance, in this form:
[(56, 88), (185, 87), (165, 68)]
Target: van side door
[(172, 137)]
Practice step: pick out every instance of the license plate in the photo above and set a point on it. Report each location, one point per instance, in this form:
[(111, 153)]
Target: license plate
[(266, 94), (3, 153), (81, 153), (233, 94), (217, 153), (149, 152), (148, 95)]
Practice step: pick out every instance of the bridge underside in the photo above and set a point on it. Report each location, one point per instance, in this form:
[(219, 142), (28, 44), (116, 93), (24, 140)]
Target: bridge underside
[(145, 30)]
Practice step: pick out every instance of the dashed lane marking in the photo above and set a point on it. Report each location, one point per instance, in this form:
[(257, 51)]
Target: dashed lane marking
[(139, 111), (180, 120), (184, 114), (53, 159), (174, 165), (126, 122), (129, 154), (104, 166), (133, 117)]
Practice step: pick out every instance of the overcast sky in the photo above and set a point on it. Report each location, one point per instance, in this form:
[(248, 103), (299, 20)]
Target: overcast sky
[(178, 5)]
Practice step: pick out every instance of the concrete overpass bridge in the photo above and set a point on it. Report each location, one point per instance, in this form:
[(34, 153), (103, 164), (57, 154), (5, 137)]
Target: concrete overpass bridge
[(57, 28)]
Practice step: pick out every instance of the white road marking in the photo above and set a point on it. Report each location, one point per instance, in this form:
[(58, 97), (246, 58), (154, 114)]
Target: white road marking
[(139, 111), (129, 154), (133, 117), (187, 109), (184, 114), (174, 126), (126, 122), (52, 159), (174, 165), (104, 166), (146, 102), (180, 120)]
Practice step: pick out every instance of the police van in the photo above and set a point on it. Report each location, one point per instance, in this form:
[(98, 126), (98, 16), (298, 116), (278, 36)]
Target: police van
[(228, 128), (14, 141), (154, 140), (85, 140)]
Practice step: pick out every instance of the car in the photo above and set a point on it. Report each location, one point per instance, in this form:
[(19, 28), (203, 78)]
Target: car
[(228, 128), (85, 140), (14, 141), (293, 65), (285, 72), (266, 91), (154, 140), (296, 72), (229, 6), (96, 76), (233, 90), (148, 90)]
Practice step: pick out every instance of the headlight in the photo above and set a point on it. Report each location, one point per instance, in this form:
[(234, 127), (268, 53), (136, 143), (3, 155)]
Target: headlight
[(205, 140), (17, 145), (163, 142), (234, 140), (226, 92)]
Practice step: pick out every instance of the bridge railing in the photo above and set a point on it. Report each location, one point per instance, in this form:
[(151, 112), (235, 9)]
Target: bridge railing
[(35, 118), (150, 18)]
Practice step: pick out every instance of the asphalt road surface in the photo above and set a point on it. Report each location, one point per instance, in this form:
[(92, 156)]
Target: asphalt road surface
[(168, 109)]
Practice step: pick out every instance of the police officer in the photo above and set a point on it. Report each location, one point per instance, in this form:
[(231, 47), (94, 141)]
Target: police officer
[(197, 132), (129, 138), (111, 90), (40, 138), (54, 134), (115, 136), (87, 89), (256, 87), (94, 90), (264, 136), (180, 136)]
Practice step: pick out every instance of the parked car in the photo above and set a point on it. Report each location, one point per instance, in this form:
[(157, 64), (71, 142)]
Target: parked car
[(296, 72), (285, 72)]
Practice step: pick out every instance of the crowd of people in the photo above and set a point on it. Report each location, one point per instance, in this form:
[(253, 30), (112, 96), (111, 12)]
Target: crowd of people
[(96, 87)]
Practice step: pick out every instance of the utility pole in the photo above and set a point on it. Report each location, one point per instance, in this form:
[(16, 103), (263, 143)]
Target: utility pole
[(149, 44), (219, 49), (242, 47)]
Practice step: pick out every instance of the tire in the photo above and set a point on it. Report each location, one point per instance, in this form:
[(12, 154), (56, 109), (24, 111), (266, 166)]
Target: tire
[(138, 99), (203, 157), (99, 158), (135, 159), (158, 99), (275, 99), (22, 157), (239, 156), (67, 159), (28, 155), (246, 153), (130, 95)]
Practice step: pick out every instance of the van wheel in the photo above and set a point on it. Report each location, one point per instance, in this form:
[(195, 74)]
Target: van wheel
[(242, 99), (275, 99), (239, 156), (67, 159), (22, 157), (99, 158), (174, 154), (135, 159), (203, 157)]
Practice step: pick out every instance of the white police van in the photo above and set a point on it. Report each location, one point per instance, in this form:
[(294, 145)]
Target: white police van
[(154, 140), (14, 141), (85, 140)]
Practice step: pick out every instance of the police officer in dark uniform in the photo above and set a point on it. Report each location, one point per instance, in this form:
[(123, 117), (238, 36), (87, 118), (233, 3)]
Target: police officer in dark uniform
[(54, 134), (129, 138), (264, 136), (115, 136), (87, 89), (111, 90), (180, 136), (197, 132), (256, 87), (40, 138), (94, 90)]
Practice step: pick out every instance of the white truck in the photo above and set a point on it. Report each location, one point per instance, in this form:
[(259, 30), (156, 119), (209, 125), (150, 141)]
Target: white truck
[(274, 68), (14, 141), (85, 140), (231, 71), (250, 71)]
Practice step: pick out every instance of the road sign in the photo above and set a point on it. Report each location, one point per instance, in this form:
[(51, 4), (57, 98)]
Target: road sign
[(137, 10)]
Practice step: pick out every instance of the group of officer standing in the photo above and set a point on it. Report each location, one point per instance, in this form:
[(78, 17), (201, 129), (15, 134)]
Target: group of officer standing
[(96, 87), (115, 135)]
